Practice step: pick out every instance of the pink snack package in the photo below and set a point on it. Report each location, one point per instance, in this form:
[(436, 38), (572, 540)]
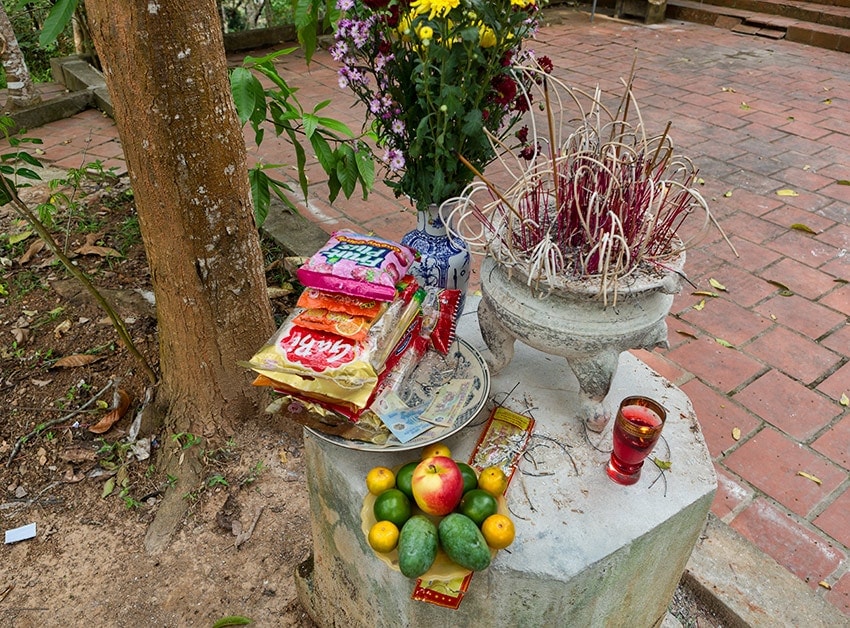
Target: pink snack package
[(358, 265)]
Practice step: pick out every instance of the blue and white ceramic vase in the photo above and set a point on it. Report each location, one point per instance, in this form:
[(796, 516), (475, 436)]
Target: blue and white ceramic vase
[(444, 261)]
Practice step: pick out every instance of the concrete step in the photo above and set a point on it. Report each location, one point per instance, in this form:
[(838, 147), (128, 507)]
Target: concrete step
[(761, 24), (798, 10)]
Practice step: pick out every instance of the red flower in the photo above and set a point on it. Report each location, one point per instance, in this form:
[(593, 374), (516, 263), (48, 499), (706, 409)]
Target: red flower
[(505, 89), (522, 135), (545, 64)]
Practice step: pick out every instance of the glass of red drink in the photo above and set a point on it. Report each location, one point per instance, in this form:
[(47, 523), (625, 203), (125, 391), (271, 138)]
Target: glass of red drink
[(636, 430)]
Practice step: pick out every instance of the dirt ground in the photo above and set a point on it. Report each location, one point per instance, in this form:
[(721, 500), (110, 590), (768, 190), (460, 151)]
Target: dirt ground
[(92, 495)]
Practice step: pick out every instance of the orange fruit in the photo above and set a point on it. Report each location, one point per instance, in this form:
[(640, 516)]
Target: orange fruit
[(470, 477), (380, 479), (478, 505), (392, 505), (383, 536), (498, 531), (493, 480), (435, 449)]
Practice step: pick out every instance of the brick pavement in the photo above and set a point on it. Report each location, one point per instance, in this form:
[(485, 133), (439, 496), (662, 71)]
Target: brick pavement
[(757, 116)]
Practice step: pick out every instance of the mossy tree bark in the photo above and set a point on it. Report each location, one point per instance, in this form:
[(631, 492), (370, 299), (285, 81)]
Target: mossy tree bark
[(165, 67)]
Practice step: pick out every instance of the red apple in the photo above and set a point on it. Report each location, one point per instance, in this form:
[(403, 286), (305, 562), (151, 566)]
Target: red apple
[(437, 485)]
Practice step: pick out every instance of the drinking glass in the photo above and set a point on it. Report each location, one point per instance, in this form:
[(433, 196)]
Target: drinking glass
[(636, 430)]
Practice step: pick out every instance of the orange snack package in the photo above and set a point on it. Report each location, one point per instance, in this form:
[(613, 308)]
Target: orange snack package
[(313, 298)]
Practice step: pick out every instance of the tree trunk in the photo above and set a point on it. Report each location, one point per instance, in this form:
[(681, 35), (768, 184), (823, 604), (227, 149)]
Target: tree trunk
[(165, 67), (22, 92)]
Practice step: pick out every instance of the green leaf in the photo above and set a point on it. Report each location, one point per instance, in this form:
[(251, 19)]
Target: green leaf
[(724, 343), (19, 237), (58, 18), (26, 173), (247, 93), (232, 620), (324, 153), (260, 194), (27, 158), (5, 186), (365, 161), (311, 123), (843, 182), (335, 125)]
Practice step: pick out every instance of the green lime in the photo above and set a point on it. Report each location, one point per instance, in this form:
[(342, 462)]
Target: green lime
[(470, 477), (404, 478), (478, 504), (392, 505)]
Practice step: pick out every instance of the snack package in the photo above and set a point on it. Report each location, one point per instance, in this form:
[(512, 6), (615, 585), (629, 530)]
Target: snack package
[(440, 310), (358, 265), (339, 323), (313, 298), (318, 361)]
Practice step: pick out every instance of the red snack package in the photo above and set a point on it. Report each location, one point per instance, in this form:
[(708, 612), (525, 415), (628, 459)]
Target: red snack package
[(440, 311)]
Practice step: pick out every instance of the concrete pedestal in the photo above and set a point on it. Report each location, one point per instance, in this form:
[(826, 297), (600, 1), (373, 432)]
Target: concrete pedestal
[(588, 552)]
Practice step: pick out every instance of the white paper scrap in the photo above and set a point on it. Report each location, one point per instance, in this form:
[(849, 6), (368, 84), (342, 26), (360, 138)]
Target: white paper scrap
[(20, 534)]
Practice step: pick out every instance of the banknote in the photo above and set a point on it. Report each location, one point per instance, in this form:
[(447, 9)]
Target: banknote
[(402, 420), (448, 402)]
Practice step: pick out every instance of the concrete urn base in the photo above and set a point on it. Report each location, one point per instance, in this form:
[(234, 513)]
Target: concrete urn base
[(576, 324)]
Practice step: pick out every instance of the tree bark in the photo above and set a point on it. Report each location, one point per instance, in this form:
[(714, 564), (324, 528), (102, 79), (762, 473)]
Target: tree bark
[(22, 92), (165, 68)]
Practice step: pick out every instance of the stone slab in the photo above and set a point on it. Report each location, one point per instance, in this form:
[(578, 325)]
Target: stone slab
[(747, 587), (587, 552)]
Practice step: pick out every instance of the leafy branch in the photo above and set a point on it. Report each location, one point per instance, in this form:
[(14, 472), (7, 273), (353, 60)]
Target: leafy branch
[(345, 157), (9, 195)]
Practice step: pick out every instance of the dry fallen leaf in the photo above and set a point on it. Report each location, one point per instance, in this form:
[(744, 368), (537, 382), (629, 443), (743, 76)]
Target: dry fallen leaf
[(809, 476), (704, 293), (784, 290), (825, 585), (75, 360), (727, 194), (90, 248), (698, 307), (110, 418), (724, 343), (664, 465), (736, 433), (805, 228), (786, 192), (686, 333), (35, 249), (716, 284), (62, 328), (845, 400), (21, 334)]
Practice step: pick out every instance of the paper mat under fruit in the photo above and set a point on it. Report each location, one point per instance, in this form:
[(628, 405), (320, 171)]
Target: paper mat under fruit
[(501, 444)]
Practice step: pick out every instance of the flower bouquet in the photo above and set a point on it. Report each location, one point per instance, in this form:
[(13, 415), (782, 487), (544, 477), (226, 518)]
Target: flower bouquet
[(438, 80)]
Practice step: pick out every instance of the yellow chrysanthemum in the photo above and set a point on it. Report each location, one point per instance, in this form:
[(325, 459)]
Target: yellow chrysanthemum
[(435, 8), (425, 32), (522, 3), (486, 36)]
